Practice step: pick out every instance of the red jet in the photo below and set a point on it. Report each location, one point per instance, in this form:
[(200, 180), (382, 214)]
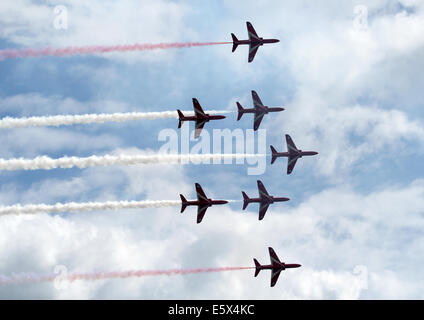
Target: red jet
[(264, 199), (276, 266), (259, 110), (199, 116), (202, 203), (254, 41), (293, 154)]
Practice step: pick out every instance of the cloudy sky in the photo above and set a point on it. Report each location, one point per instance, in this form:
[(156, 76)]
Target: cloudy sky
[(350, 79)]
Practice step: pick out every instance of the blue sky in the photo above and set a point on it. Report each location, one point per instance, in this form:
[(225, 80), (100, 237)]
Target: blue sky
[(354, 95)]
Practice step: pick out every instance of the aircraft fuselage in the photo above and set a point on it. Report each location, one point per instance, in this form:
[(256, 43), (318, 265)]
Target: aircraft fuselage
[(282, 267), (207, 118), (270, 199), (298, 154), (261, 41), (265, 110), (208, 203)]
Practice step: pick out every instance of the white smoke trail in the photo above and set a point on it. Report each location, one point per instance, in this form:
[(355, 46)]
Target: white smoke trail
[(47, 163), (65, 120), (85, 206)]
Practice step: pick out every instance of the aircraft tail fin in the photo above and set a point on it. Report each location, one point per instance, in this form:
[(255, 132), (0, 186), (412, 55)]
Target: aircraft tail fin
[(180, 116), (235, 42), (246, 199), (240, 111), (257, 266), (183, 203), (274, 154)]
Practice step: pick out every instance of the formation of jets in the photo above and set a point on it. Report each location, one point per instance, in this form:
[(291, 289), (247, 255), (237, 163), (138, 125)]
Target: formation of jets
[(264, 200), (200, 117), (203, 203), (293, 154)]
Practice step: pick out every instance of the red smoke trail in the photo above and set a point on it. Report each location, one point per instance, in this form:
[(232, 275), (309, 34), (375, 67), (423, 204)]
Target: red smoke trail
[(34, 278), (68, 51)]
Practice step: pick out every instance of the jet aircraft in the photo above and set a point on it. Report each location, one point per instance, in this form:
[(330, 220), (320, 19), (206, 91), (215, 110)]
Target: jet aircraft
[(264, 200), (202, 203), (293, 154), (276, 266), (199, 116), (259, 110), (254, 41)]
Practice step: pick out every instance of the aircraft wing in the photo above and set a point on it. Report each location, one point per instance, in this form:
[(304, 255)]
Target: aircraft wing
[(201, 210), (198, 127), (263, 207), (201, 196), (258, 119), (198, 111), (291, 162), (291, 147), (252, 51), (256, 100), (253, 36), (277, 266), (275, 262), (274, 276), (262, 191)]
